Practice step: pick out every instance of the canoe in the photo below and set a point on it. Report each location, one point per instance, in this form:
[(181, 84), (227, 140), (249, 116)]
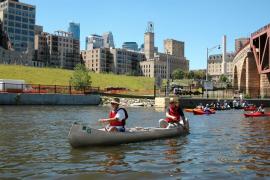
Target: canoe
[(250, 108), (257, 114), (85, 136), (201, 112)]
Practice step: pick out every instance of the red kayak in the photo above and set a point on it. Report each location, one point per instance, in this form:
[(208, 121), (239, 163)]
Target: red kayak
[(250, 108), (201, 112), (257, 114)]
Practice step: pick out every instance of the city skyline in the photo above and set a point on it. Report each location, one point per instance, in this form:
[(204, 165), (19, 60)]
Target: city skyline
[(198, 24)]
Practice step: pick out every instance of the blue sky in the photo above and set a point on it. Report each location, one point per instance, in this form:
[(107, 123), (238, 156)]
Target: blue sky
[(199, 23)]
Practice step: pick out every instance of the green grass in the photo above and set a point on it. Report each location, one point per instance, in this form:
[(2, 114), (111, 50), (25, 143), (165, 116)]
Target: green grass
[(51, 76)]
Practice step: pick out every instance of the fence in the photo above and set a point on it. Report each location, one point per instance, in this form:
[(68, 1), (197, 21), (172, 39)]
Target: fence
[(46, 89)]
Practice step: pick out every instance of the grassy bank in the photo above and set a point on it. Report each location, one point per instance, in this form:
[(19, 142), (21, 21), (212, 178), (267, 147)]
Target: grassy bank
[(51, 76)]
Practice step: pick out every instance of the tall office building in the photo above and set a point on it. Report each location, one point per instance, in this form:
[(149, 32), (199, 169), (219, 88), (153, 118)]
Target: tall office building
[(19, 22), (74, 28), (95, 41), (108, 41), (133, 46)]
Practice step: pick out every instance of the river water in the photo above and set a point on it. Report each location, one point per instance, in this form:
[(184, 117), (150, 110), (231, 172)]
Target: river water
[(34, 145)]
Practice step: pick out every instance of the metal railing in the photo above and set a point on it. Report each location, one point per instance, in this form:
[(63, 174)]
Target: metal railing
[(46, 89)]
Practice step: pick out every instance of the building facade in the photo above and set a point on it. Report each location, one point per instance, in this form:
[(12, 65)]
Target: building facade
[(118, 61), (133, 46), (174, 47), (215, 69), (57, 50), (74, 28), (156, 63), (98, 60), (19, 22)]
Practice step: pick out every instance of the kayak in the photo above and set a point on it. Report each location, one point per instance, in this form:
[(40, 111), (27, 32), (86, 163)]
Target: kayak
[(196, 109), (85, 136), (201, 112), (250, 108), (189, 110), (257, 114)]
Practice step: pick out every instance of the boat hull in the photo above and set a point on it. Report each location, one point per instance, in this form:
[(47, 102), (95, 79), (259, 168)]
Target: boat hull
[(84, 136), (201, 112), (257, 114)]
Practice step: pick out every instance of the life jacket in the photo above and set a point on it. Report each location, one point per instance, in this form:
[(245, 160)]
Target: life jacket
[(173, 112), (116, 122)]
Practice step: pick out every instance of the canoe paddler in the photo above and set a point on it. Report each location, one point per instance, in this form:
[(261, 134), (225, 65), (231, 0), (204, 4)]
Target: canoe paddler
[(117, 117), (174, 116)]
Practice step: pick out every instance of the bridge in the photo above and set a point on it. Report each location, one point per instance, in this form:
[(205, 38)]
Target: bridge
[(252, 65)]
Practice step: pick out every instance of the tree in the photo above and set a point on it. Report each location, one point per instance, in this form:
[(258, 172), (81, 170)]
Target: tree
[(223, 79), (81, 77), (178, 74), (191, 75)]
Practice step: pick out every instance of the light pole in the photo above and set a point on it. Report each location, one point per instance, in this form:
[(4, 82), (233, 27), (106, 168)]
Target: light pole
[(207, 56), (168, 75)]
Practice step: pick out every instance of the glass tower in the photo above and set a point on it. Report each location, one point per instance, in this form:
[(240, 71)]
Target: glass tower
[(74, 28), (19, 22)]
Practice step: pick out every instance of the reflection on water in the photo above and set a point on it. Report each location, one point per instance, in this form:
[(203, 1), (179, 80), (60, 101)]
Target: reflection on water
[(33, 144)]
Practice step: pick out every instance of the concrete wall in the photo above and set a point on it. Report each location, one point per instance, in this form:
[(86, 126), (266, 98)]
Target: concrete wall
[(48, 99), (192, 103)]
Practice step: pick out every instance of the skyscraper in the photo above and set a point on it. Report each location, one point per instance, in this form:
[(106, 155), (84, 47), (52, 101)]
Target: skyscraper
[(130, 46), (19, 22), (108, 40), (96, 41), (74, 28)]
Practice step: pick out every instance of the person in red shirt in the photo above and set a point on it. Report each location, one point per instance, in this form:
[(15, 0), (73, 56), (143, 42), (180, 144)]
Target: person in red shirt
[(117, 117), (174, 116)]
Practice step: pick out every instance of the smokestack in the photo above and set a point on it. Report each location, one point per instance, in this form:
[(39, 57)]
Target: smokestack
[(224, 56)]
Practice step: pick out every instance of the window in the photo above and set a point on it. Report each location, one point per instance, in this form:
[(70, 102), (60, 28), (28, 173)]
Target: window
[(17, 31), (32, 21), (25, 26), (18, 18), (18, 6), (25, 8), (25, 20), (11, 30), (18, 25), (11, 23), (11, 17), (24, 32), (11, 4)]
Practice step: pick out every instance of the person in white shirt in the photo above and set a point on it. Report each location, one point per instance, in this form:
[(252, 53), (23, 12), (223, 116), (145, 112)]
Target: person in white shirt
[(117, 117)]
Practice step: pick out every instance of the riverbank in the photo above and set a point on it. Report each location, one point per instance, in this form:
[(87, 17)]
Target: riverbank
[(56, 76)]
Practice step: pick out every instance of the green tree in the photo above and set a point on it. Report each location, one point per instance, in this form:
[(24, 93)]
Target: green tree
[(81, 77), (191, 75), (223, 79), (178, 74)]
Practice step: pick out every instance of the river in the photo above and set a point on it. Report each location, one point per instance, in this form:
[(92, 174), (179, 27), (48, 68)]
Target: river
[(34, 145)]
